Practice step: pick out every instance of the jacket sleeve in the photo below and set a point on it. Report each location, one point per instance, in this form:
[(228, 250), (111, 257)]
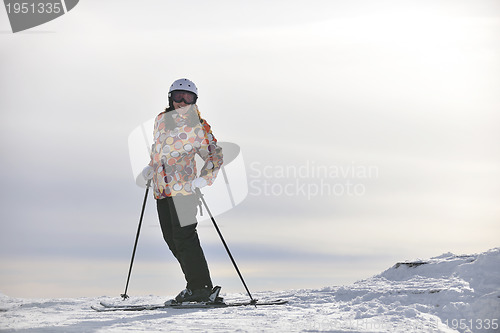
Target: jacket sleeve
[(156, 146), (153, 146), (211, 153)]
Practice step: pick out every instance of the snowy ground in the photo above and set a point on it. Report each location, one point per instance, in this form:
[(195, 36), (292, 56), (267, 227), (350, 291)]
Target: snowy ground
[(448, 293)]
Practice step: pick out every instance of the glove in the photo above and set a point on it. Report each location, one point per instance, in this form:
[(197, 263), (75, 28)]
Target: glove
[(148, 172), (198, 183)]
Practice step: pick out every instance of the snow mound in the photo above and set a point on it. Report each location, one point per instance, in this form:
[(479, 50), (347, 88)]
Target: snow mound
[(463, 291), (448, 293)]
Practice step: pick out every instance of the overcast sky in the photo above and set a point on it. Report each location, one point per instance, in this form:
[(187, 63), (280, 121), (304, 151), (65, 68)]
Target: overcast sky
[(397, 100)]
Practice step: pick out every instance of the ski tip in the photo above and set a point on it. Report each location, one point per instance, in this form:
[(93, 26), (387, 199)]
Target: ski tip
[(95, 308), (255, 301)]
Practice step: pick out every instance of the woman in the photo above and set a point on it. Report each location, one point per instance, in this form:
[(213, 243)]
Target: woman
[(179, 135)]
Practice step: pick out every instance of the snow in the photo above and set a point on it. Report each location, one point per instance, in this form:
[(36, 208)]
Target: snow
[(448, 293)]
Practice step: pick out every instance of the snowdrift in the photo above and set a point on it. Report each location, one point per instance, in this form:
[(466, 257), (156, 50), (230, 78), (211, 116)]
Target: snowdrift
[(448, 293)]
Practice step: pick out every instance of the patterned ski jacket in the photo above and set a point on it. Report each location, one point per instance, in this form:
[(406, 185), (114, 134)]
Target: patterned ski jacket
[(177, 137)]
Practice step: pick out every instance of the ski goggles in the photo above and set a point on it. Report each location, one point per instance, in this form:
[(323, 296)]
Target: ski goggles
[(181, 95)]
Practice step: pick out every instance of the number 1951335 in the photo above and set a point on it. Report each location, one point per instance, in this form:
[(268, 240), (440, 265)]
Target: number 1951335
[(32, 8), (472, 324)]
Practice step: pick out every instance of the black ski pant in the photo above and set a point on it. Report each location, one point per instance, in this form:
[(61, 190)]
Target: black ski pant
[(183, 241)]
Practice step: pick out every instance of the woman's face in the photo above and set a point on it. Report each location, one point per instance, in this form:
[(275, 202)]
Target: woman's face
[(182, 98)]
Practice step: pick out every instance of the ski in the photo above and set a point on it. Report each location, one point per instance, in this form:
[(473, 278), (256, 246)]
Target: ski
[(100, 308), (104, 307), (118, 306)]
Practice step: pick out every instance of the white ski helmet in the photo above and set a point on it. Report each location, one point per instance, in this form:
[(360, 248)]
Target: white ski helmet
[(183, 84)]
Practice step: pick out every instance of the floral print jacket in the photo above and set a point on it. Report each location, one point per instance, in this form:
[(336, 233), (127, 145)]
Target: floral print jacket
[(178, 136)]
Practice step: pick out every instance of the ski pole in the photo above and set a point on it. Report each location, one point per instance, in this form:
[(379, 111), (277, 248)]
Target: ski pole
[(200, 195), (124, 295)]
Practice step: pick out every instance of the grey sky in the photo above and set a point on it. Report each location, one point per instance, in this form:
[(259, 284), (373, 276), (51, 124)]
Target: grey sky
[(410, 87)]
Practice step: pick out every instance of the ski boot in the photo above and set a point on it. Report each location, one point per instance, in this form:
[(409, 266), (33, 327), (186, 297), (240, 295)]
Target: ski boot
[(202, 295)]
